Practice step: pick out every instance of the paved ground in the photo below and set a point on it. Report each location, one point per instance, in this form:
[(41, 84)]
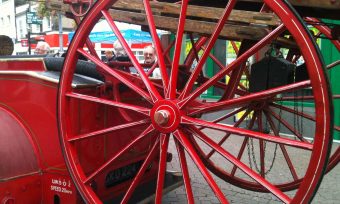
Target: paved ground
[(329, 191)]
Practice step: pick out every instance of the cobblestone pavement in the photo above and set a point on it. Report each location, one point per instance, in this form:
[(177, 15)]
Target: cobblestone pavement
[(329, 191)]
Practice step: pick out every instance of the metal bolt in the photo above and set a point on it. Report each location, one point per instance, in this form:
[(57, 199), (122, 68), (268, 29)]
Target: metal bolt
[(161, 117)]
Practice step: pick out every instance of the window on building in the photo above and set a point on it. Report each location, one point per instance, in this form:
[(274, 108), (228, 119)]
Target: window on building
[(37, 27), (21, 29), (48, 24), (9, 19), (139, 55)]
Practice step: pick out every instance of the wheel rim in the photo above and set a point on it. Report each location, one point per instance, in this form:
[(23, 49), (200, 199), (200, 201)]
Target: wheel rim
[(169, 112), (326, 31)]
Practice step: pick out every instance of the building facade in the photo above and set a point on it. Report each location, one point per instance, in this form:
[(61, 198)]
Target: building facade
[(13, 23), (7, 18)]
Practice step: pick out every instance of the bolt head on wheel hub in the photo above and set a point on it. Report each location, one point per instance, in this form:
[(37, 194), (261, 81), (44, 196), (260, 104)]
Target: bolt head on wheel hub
[(165, 116), (161, 117)]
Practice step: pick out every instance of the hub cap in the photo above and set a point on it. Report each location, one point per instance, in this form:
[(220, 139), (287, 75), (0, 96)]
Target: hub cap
[(165, 116)]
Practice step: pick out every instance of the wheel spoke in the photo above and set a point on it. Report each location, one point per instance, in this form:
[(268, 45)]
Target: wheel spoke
[(244, 143), (138, 109), (228, 134), (164, 143), (149, 158), (221, 66), (228, 115), (233, 44), (152, 90), (295, 112), (210, 45), (154, 66), (108, 130), (80, 8), (334, 161), (240, 154), (88, 42), (296, 58), (270, 187), (236, 75), (247, 133), (185, 171), (236, 63), (223, 86), (294, 98), (157, 44), (261, 144), (165, 54), (117, 75), (324, 30), (194, 47), (287, 125), (334, 64), (245, 100), (192, 55), (177, 51), (191, 151), (146, 132), (307, 116), (283, 148)]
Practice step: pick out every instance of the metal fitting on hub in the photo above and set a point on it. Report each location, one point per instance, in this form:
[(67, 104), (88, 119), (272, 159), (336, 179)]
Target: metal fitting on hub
[(161, 117)]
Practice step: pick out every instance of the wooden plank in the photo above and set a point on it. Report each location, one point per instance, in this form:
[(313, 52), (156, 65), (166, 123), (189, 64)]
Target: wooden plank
[(322, 4), (232, 32), (162, 8), (170, 23), (229, 31), (57, 5)]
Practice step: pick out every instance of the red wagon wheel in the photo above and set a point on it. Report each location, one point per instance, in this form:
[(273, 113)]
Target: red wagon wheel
[(172, 112), (79, 7), (230, 176), (327, 32)]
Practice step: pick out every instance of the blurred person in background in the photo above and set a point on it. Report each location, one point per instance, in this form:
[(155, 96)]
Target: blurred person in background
[(150, 58), (120, 53), (149, 54), (110, 56), (121, 56), (7, 45), (43, 48)]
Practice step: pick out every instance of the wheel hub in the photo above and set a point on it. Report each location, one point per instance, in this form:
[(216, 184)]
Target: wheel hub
[(165, 116)]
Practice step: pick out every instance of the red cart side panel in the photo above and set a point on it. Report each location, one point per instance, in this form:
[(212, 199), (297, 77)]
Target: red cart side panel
[(19, 170), (34, 100), (22, 64), (26, 189), (59, 187), (18, 156)]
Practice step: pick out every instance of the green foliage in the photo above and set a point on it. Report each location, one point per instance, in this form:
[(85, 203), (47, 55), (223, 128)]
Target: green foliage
[(42, 11)]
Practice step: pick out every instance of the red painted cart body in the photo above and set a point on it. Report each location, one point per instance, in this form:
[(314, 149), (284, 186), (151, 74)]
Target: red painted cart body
[(32, 166), (108, 129)]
